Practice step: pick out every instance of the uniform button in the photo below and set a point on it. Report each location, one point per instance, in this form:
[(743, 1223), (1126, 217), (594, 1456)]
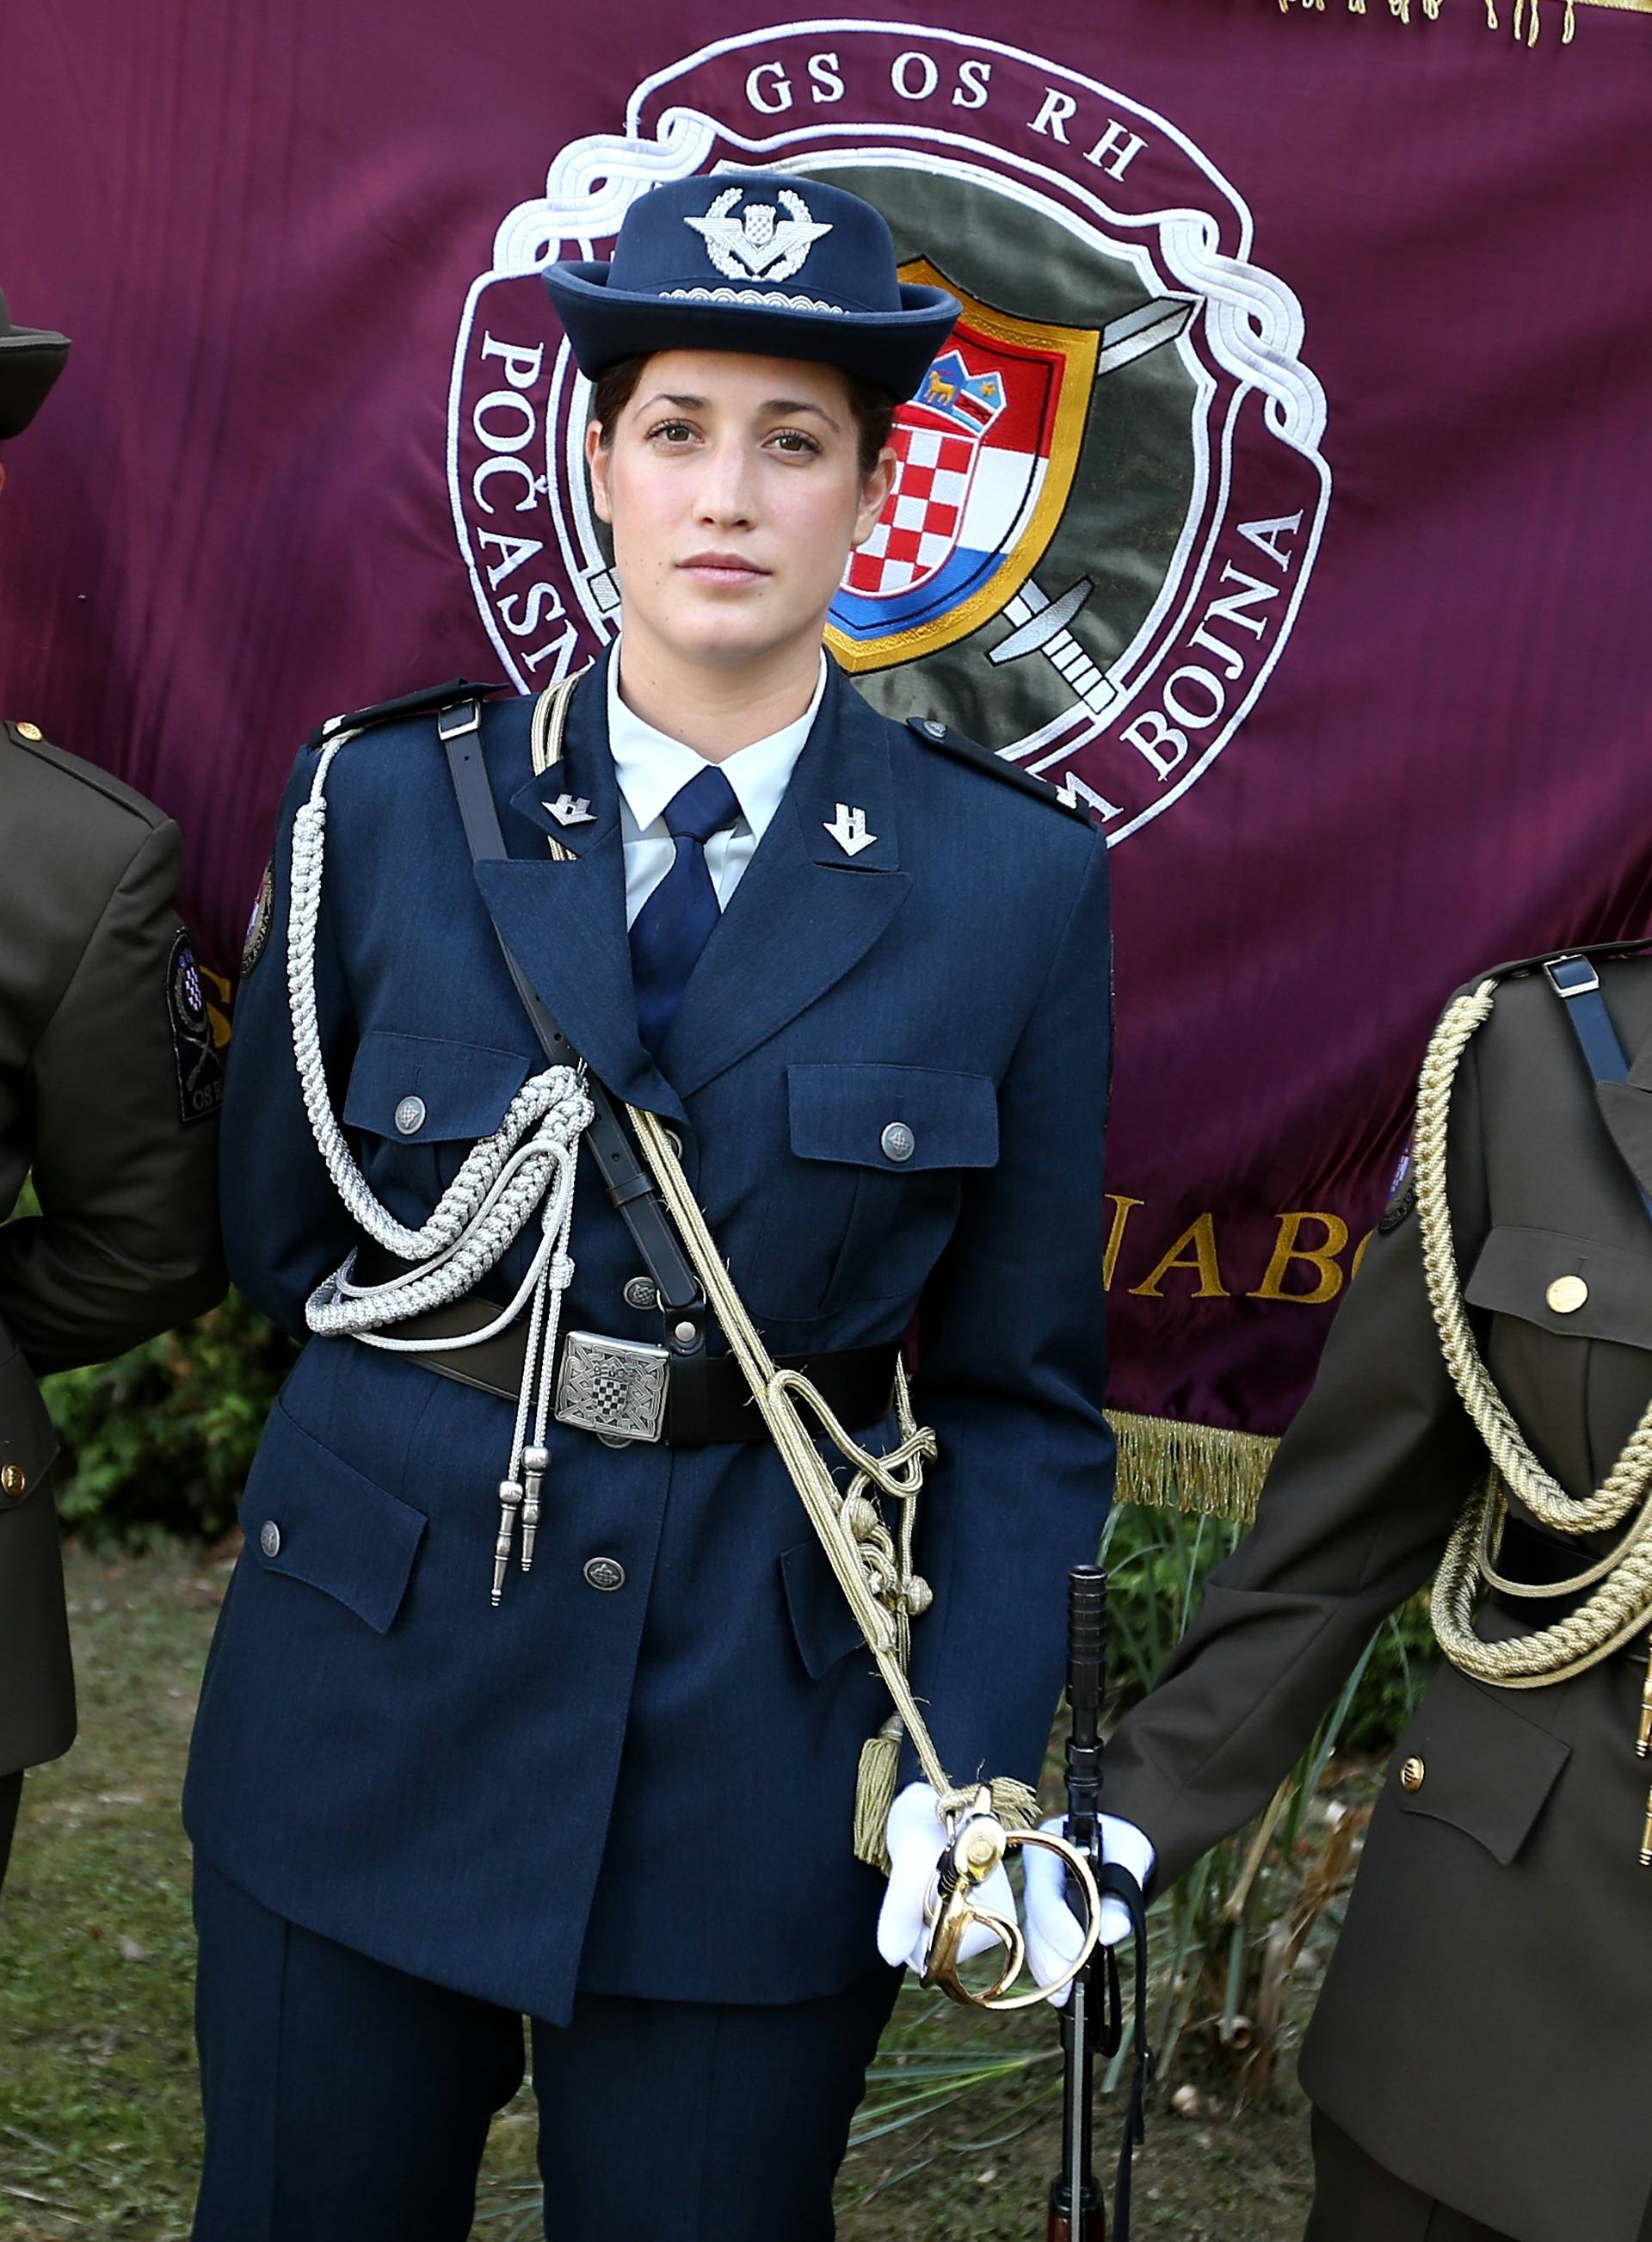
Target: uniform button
[(1566, 1295), (270, 1538), (409, 1115), (604, 1572), (897, 1142), (1411, 1775), (29, 732), (674, 1141), (640, 1293), (14, 1480)]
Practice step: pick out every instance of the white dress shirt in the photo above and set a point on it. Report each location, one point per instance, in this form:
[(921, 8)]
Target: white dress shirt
[(652, 768)]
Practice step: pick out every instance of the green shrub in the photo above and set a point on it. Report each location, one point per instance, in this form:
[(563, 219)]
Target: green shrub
[(159, 1442)]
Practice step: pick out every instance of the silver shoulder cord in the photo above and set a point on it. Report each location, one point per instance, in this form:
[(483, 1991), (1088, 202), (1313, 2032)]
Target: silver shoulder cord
[(529, 1162)]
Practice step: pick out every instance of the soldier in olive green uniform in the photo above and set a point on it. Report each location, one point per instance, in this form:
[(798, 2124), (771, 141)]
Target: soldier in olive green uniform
[(1481, 2063), (110, 1088)]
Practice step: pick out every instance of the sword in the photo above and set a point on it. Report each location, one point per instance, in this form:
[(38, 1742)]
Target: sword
[(1040, 622), (1092, 2014)]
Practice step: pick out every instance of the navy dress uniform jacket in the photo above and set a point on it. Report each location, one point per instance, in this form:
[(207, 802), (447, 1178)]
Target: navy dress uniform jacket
[(648, 1790)]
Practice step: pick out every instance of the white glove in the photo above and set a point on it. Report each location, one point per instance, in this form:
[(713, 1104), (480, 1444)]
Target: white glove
[(917, 1837), (1053, 1932)]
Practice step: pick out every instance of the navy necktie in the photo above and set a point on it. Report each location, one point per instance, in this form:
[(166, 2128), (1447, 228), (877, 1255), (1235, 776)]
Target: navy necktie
[(675, 923)]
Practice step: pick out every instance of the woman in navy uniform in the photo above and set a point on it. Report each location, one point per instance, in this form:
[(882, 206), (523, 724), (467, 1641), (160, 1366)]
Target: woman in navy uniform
[(859, 970)]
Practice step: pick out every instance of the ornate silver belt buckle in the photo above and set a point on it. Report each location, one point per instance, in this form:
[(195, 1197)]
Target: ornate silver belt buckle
[(613, 1388)]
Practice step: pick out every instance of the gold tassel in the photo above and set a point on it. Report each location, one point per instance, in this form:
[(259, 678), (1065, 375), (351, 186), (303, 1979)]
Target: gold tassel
[(1014, 1803), (1571, 23), (1491, 15), (874, 1792), (1200, 1469)]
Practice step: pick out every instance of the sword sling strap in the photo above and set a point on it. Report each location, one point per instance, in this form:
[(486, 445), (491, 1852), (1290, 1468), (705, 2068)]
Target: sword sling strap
[(628, 1188), (1578, 985), (872, 1566)]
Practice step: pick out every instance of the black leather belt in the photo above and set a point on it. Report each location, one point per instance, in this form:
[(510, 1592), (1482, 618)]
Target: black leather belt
[(708, 1400), (1530, 1553)]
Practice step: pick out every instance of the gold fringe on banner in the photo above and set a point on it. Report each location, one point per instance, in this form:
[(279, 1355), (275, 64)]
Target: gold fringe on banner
[(1526, 21), (1165, 1464)]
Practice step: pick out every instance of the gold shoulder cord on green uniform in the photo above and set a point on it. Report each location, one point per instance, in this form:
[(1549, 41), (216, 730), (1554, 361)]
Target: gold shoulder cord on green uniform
[(872, 1566), (1618, 1587)]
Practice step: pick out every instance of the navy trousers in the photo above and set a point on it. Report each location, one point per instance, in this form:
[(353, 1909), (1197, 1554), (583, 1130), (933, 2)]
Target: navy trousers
[(348, 2102)]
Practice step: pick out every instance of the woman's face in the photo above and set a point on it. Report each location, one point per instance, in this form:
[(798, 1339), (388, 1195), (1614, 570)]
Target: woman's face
[(733, 489)]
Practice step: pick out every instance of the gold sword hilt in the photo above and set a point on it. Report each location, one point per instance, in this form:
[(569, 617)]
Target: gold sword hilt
[(979, 1843)]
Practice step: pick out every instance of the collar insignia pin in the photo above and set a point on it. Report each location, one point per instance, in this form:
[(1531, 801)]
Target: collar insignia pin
[(568, 811), (849, 830)]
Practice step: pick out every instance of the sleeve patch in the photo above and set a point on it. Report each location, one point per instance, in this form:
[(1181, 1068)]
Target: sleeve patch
[(1398, 1206), (200, 1071), (258, 925)]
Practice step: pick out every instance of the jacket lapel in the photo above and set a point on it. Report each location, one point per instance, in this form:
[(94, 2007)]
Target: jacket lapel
[(807, 910), (565, 923)]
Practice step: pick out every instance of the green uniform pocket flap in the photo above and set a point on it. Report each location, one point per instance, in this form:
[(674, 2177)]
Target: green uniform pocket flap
[(1470, 1759), (309, 1514), (1576, 1287)]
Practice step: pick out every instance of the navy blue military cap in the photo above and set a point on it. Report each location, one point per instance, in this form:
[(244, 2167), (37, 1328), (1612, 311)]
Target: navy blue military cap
[(763, 262)]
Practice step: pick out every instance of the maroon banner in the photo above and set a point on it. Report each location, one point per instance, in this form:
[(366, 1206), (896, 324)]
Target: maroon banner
[(1282, 494)]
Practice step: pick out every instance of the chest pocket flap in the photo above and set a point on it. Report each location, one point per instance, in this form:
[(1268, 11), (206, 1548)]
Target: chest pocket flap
[(442, 1090), (901, 1119), (1520, 1271)]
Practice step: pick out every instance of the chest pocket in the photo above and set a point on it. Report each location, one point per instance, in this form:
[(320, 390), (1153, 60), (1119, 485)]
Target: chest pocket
[(1577, 1404), (863, 1207), (417, 1104)]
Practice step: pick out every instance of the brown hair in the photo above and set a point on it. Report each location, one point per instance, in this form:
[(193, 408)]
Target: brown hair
[(874, 408)]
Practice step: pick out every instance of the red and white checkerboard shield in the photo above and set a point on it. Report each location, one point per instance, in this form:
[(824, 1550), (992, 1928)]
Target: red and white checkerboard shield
[(918, 531)]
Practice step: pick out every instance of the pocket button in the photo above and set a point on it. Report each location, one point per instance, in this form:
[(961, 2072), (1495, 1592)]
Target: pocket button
[(270, 1538), (898, 1141), (409, 1115)]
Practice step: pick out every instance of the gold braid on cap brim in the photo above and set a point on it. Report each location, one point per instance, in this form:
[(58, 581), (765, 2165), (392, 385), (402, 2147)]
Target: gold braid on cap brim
[(1618, 1587)]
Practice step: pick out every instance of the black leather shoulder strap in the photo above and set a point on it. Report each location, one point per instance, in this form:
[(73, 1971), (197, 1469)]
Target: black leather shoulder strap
[(425, 702), (629, 1187)]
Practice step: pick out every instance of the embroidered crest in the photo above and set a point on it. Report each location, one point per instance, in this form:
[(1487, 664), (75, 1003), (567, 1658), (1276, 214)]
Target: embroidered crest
[(200, 1072), (258, 925), (759, 244)]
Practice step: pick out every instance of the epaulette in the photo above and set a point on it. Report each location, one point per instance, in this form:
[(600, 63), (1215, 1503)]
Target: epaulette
[(934, 734), (429, 702), (33, 742), (1518, 968)]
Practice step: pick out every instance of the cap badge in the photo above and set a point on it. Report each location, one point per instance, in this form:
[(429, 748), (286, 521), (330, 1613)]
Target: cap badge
[(759, 244)]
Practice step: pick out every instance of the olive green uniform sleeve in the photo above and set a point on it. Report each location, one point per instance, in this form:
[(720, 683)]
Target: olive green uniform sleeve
[(119, 1093), (1357, 1507)]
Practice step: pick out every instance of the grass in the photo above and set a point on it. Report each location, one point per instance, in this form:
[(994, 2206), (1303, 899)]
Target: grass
[(98, 2122)]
